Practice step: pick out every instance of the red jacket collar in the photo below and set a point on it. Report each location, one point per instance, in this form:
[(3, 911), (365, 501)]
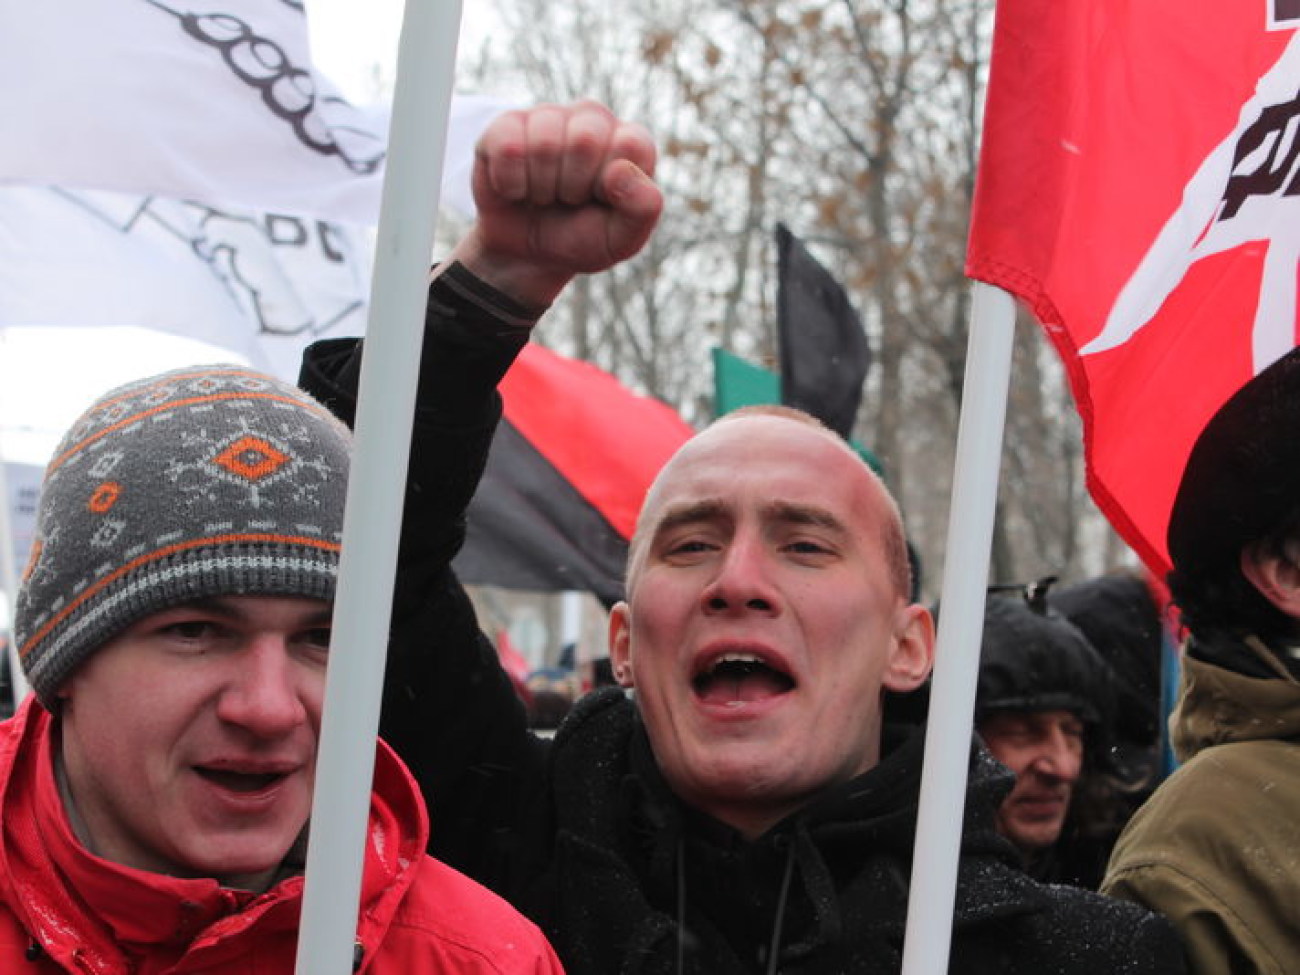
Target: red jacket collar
[(74, 900)]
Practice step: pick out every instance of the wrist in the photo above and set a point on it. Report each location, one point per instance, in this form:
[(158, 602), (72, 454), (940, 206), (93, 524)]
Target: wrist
[(522, 280), (459, 294)]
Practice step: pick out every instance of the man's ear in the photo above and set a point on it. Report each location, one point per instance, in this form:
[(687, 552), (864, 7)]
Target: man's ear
[(1275, 576), (912, 655), (620, 637)]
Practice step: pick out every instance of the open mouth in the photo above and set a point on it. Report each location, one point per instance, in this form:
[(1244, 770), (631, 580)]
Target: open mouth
[(740, 678), (248, 782)]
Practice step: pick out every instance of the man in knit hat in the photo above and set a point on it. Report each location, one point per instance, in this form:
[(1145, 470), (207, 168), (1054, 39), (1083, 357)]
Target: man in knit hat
[(1217, 846), (1042, 703), (174, 623)]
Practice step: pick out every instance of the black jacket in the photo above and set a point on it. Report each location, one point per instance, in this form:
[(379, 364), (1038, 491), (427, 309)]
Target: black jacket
[(629, 862), (583, 835)]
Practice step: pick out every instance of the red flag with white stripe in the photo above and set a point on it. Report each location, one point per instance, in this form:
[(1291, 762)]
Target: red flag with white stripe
[(1139, 189)]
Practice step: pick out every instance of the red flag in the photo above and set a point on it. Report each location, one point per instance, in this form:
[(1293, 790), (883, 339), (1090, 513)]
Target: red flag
[(1139, 189)]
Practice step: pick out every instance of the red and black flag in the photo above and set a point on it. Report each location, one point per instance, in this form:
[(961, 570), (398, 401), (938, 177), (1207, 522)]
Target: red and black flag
[(572, 459), (824, 352), (1139, 189)]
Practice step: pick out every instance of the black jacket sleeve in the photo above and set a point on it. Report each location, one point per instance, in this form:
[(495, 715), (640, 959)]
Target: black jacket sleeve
[(449, 709)]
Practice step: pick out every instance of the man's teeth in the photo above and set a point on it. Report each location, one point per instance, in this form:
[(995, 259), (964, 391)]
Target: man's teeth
[(739, 658)]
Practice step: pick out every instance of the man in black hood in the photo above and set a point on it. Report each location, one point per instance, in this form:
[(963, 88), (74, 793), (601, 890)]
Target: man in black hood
[(1043, 705)]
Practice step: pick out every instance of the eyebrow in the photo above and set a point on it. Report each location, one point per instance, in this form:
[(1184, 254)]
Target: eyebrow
[(691, 513), (803, 514), (714, 510), (221, 606)]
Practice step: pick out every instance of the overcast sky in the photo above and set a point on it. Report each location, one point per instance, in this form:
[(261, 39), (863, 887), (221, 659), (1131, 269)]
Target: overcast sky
[(349, 37)]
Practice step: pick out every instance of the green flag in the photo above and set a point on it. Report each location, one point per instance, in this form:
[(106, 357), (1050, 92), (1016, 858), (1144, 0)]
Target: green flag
[(738, 383)]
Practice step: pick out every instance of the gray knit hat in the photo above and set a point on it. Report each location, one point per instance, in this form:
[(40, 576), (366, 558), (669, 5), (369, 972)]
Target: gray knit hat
[(206, 481)]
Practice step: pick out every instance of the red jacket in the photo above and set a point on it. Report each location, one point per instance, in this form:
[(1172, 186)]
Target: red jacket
[(62, 909)]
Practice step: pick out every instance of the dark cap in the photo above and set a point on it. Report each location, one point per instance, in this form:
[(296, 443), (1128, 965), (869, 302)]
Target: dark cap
[(1039, 661), (1241, 484)]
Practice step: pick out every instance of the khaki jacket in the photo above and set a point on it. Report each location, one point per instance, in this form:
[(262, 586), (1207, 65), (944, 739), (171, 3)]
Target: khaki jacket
[(1217, 847)]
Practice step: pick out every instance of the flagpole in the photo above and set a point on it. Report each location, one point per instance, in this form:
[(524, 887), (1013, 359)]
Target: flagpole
[(965, 579), (389, 373)]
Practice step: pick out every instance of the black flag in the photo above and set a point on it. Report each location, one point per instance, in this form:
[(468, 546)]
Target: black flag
[(824, 352)]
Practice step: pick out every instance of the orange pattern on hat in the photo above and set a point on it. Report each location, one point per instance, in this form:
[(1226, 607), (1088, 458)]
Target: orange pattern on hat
[(38, 546), (252, 458), (104, 497)]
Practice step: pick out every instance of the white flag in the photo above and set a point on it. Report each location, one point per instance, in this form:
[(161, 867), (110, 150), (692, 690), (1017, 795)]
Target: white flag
[(261, 285), (182, 168), (208, 100)]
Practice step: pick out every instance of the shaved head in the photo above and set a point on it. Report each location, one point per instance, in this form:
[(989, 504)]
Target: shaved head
[(893, 538)]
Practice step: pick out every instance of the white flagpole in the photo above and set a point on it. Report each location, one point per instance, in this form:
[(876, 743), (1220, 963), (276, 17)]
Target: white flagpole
[(965, 580), (389, 372)]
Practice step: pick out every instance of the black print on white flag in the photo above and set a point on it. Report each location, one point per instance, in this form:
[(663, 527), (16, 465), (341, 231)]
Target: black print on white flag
[(209, 100), (285, 85), (261, 285), (179, 165)]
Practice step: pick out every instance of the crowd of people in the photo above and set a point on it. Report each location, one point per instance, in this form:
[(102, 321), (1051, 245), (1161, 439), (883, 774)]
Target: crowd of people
[(742, 800)]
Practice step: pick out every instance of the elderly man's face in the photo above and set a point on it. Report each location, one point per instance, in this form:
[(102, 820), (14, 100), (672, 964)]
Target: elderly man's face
[(189, 739), (1045, 750), (764, 620)]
